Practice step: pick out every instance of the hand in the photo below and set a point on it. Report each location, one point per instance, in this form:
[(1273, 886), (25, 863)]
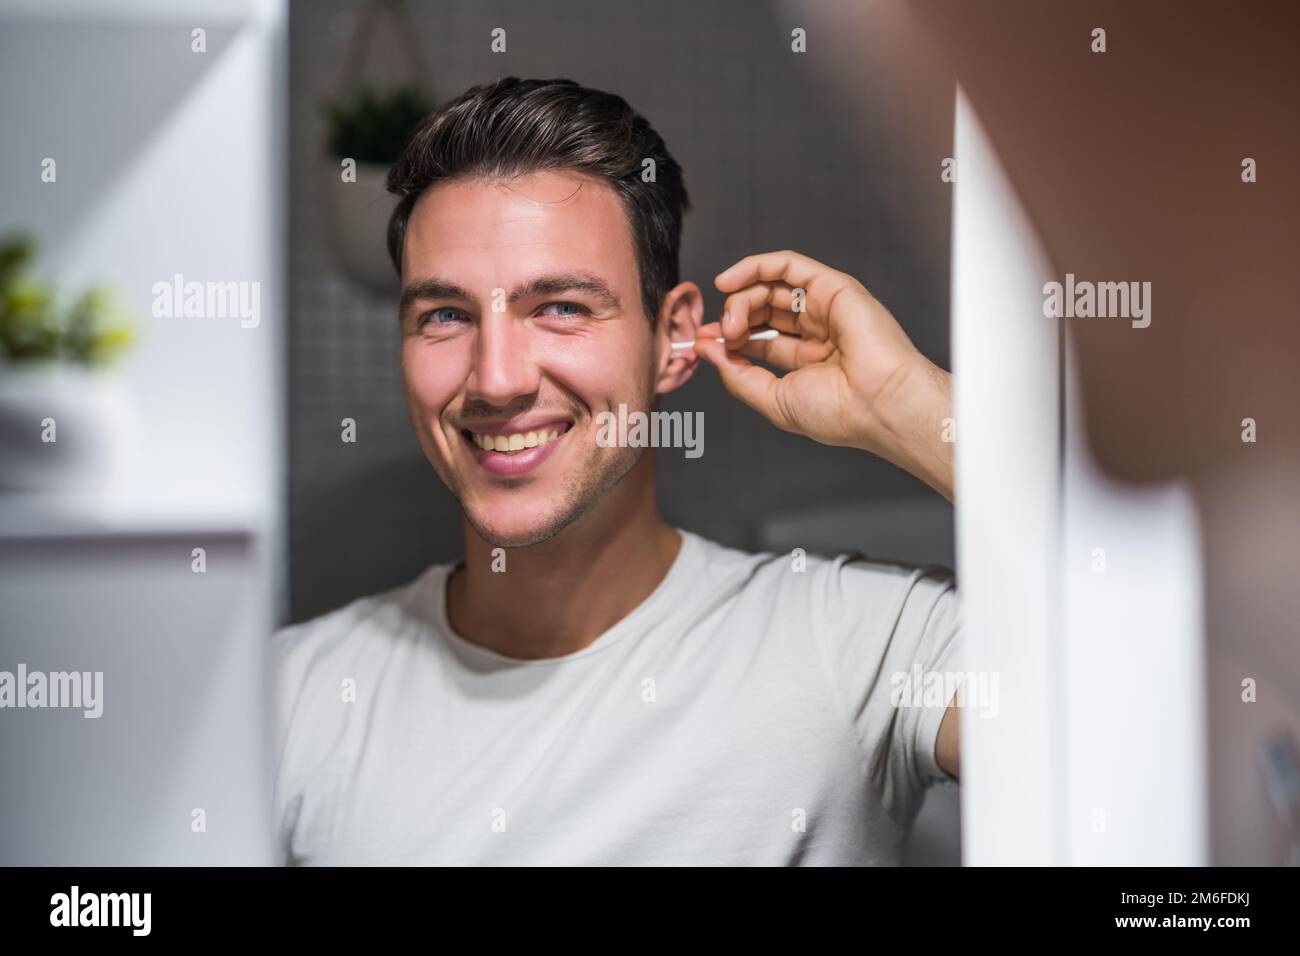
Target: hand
[(853, 378)]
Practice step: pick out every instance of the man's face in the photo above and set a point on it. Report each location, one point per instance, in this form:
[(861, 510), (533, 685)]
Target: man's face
[(521, 322)]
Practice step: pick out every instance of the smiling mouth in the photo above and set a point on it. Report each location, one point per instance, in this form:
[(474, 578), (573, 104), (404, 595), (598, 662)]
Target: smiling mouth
[(513, 454), (511, 443)]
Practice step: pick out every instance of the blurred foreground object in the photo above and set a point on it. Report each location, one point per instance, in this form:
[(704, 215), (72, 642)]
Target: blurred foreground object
[(65, 413)]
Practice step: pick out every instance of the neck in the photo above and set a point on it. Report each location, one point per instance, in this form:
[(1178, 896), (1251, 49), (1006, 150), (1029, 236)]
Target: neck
[(556, 597)]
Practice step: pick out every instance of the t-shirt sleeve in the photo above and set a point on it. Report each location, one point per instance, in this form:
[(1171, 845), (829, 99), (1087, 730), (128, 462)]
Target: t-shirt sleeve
[(307, 717), (891, 638), (313, 722), (287, 675)]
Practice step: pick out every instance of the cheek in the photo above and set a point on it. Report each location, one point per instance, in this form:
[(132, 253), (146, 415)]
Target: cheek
[(432, 377), (601, 372)]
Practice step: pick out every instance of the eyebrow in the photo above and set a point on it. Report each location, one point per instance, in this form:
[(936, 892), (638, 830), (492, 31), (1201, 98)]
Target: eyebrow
[(551, 284)]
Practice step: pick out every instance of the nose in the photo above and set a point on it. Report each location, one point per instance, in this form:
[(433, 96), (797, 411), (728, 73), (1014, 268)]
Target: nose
[(503, 369)]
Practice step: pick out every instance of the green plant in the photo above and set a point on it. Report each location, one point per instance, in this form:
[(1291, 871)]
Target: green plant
[(36, 324), (373, 127)]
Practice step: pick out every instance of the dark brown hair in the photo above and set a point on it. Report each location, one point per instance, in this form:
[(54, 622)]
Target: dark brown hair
[(514, 127)]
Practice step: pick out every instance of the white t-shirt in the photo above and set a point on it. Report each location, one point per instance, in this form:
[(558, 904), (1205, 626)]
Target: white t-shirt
[(744, 713)]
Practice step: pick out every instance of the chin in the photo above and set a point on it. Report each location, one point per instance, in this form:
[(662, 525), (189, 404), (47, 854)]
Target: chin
[(523, 516), (512, 526)]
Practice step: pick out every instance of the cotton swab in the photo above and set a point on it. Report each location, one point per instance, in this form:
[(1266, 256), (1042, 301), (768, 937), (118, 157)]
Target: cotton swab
[(763, 336)]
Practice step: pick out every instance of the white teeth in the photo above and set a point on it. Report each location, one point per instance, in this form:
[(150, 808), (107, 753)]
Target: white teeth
[(516, 442)]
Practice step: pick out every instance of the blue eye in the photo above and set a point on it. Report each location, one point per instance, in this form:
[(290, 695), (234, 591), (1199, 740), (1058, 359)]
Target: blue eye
[(443, 316), (569, 309)]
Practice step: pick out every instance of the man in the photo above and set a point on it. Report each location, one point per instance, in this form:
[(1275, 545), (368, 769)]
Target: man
[(591, 685)]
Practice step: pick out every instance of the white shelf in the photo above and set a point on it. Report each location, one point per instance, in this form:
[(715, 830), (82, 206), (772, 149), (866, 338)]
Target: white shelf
[(199, 12), (31, 515)]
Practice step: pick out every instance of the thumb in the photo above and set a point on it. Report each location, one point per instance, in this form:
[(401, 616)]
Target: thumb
[(752, 384)]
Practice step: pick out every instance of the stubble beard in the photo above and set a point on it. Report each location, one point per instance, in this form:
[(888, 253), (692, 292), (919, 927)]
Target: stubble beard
[(580, 495)]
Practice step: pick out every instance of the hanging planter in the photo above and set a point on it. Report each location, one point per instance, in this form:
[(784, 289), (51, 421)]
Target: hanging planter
[(366, 130)]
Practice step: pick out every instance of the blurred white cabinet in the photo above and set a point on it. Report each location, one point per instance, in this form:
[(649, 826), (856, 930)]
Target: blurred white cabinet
[(183, 724)]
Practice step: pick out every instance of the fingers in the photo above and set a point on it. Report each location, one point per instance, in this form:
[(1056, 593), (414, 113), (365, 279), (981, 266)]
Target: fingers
[(752, 384), (780, 352), (763, 303), (836, 306), (793, 269), (786, 352)]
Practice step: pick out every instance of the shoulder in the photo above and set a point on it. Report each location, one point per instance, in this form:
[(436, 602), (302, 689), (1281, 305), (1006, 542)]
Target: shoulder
[(889, 587), (848, 605), (384, 610), (346, 638), (845, 579), (887, 604), (311, 660)]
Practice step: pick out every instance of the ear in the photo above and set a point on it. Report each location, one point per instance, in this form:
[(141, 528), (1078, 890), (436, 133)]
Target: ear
[(679, 319)]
